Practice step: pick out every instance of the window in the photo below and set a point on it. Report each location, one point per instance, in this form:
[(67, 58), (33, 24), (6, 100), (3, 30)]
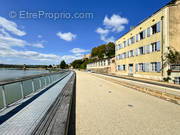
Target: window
[(119, 67), (124, 67), (156, 28), (156, 66), (142, 35), (142, 50), (104, 62), (132, 40), (124, 43), (109, 61), (142, 67), (131, 53), (177, 80), (155, 46)]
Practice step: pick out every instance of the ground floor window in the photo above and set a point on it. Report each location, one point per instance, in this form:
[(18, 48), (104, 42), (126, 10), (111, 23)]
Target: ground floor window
[(177, 80), (154, 66)]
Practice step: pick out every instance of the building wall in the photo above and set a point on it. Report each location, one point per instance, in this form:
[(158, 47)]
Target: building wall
[(102, 66), (144, 58), (174, 25)]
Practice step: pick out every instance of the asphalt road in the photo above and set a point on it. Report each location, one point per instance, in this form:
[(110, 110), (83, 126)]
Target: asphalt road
[(106, 108)]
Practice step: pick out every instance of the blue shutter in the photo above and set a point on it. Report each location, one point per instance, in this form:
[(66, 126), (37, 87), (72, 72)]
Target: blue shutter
[(158, 46), (158, 67), (137, 37), (143, 49), (148, 31), (144, 67), (136, 51), (136, 67), (147, 67), (144, 34), (148, 48), (158, 27)]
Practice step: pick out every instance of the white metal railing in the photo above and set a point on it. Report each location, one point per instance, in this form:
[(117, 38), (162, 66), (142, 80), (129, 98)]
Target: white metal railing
[(47, 79)]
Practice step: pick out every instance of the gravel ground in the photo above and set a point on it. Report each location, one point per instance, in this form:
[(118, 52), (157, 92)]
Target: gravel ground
[(106, 108)]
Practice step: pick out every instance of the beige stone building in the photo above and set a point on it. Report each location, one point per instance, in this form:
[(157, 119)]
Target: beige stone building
[(141, 51), (106, 65)]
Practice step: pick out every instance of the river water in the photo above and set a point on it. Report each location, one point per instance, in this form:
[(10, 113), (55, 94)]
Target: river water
[(13, 91), (6, 73)]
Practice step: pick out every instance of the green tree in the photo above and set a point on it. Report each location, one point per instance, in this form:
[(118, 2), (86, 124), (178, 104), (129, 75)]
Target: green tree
[(110, 50), (63, 65)]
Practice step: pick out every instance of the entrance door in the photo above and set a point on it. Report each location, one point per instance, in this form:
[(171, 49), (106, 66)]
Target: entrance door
[(130, 69)]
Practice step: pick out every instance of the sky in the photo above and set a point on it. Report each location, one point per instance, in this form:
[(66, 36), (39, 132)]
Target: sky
[(49, 31)]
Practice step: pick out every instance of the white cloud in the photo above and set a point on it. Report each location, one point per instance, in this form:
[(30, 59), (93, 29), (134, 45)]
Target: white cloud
[(11, 26), (8, 52), (70, 58), (39, 36), (115, 22), (102, 31), (78, 50), (103, 35), (107, 39), (66, 36), (38, 45)]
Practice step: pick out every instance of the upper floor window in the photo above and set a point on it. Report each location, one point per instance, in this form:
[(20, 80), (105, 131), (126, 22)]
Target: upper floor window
[(132, 40), (142, 35), (124, 43), (142, 67), (155, 46), (142, 50), (155, 28)]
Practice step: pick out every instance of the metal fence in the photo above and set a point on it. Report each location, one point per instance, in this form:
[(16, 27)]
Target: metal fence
[(14, 90)]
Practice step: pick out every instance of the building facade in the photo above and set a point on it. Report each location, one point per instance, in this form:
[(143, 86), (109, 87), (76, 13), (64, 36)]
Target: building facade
[(141, 51), (102, 66)]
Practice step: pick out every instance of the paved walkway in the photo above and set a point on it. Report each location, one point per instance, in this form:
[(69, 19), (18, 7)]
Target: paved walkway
[(25, 121), (106, 108)]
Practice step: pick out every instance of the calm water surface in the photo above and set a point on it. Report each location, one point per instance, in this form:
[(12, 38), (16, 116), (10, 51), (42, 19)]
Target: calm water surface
[(15, 73)]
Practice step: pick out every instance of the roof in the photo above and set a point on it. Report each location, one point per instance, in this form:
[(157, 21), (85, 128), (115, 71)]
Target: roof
[(172, 2)]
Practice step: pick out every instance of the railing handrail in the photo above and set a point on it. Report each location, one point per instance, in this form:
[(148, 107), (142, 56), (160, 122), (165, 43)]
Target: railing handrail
[(9, 81)]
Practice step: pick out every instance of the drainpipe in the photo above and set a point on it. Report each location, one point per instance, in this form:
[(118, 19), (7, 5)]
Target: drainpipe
[(162, 48)]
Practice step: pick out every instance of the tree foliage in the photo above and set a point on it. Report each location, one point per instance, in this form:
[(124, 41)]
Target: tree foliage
[(172, 57), (63, 65), (104, 51)]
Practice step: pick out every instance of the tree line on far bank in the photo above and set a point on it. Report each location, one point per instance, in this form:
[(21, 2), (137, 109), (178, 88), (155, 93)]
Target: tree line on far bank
[(97, 53)]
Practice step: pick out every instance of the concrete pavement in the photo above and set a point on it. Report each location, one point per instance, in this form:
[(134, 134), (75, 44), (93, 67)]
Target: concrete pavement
[(106, 108)]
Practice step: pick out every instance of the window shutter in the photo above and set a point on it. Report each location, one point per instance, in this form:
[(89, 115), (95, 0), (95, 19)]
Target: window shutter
[(158, 27), (136, 67), (143, 49), (158, 46), (144, 67), (136, 51), (148, 31), (148, 48), (147, 67), (158, 67), (144, 34), (137, 38)]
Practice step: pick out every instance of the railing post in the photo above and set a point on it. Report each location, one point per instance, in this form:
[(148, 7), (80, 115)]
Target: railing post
[(40, 83), (45, 81), (33, 86), (49, 79), (4, 96), (22, 91)]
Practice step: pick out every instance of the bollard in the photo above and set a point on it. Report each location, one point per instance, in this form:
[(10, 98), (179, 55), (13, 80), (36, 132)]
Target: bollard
[(4, 97)]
